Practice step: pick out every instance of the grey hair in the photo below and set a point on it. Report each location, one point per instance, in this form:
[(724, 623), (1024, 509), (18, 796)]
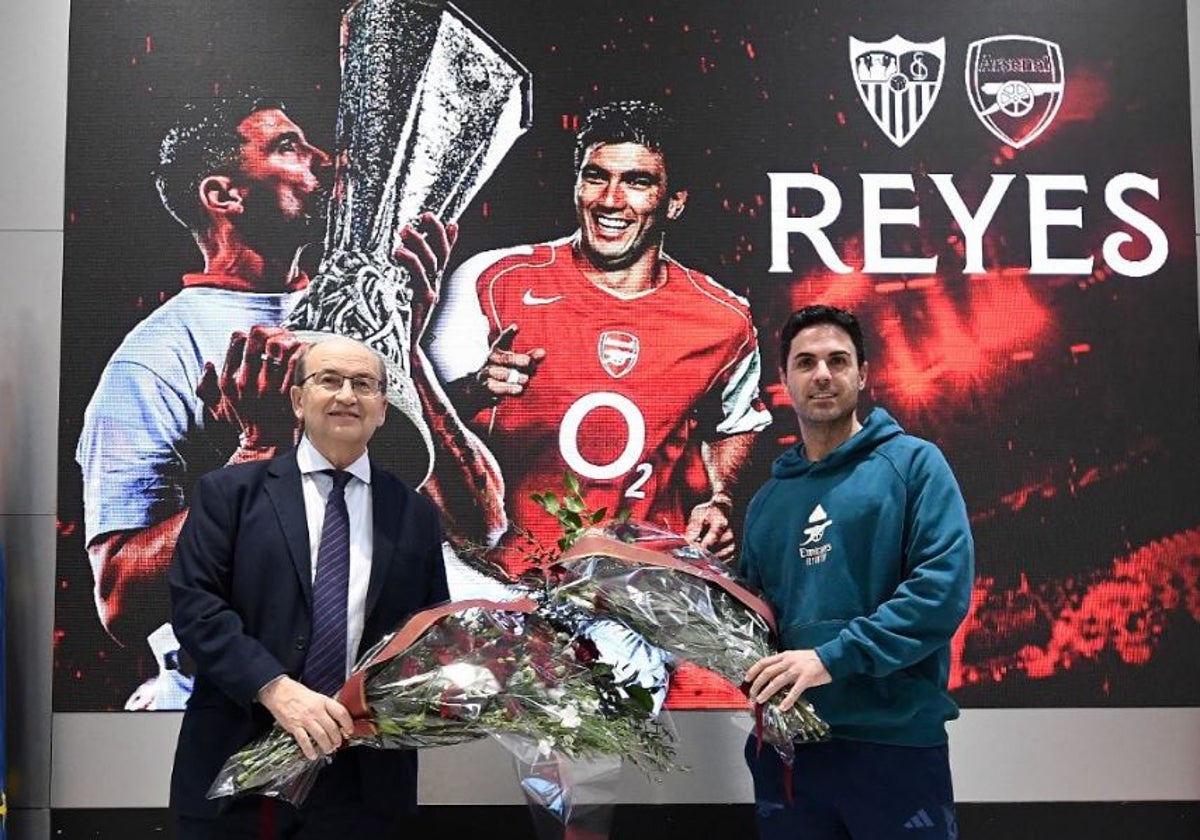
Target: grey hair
[(301, 363)]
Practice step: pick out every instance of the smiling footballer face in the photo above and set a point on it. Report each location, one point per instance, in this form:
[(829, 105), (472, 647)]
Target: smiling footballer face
[(622, 200)]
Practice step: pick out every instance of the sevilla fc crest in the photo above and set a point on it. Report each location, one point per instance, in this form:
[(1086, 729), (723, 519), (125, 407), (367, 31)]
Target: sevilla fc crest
[(618, 352), (1016, 85), (898, 81)]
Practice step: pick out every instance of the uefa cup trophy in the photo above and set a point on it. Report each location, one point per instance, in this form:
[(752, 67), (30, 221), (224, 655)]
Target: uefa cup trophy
[(429, 106)]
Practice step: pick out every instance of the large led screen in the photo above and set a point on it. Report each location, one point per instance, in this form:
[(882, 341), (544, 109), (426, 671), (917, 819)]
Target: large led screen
[(1002, 192)]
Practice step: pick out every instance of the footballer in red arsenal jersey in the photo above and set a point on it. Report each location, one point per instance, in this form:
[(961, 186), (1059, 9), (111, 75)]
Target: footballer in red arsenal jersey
[(600, 355)]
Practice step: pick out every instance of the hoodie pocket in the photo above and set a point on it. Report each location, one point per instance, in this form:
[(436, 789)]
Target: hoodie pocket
[(886, 704), (802, 636)]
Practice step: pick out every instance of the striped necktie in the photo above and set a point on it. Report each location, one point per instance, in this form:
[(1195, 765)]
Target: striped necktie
[(325, 665)]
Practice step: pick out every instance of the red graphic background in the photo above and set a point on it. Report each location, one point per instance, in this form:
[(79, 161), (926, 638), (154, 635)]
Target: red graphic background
[(1069, 406)]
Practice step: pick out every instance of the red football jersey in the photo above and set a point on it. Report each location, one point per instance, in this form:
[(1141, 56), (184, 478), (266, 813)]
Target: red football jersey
[(628, 388)]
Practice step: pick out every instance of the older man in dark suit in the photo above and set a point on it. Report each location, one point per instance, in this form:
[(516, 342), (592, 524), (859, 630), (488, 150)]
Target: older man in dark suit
[(285, 571)]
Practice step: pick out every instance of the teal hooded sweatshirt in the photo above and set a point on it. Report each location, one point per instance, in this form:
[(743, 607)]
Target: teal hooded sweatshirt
[(866, 557)]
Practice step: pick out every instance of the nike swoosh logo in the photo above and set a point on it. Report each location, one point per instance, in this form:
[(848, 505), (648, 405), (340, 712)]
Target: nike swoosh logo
[(530, 299)]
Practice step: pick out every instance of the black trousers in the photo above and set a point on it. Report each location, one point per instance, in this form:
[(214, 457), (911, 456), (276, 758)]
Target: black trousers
[(853, 790), (333, 809)]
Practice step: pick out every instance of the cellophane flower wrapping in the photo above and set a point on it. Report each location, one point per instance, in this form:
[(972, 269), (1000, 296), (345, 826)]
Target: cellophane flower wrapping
[(681, 607), (569, 799), (481, 670)]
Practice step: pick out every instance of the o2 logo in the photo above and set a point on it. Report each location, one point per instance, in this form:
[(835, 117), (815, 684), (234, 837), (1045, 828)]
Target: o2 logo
[(627, 461)]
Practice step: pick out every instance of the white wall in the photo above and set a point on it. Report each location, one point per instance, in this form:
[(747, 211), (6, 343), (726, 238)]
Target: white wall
[(123, 761), (33, 105)]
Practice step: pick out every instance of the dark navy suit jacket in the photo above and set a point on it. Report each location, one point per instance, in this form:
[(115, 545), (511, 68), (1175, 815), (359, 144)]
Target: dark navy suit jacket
[(241, 605)]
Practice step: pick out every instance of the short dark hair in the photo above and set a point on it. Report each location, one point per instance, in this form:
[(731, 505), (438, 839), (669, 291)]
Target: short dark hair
[(203, 141), (820, 314), (635, 121)]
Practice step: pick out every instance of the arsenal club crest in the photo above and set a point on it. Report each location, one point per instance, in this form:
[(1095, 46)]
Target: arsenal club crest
[(898, 82), (1016, 85), (618, 352)]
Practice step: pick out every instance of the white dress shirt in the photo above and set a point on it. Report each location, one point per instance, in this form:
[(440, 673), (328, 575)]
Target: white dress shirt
[(316, 487)]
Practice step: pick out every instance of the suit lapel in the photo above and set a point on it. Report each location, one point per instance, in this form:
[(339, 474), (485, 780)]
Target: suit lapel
[(287, 495), (386, 513)]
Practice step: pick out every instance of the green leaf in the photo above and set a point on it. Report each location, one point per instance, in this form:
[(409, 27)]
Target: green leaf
[(574, 504), (572, 518), (641, 696), (550, 503), (601, 669), (571, 482), (599, 515)]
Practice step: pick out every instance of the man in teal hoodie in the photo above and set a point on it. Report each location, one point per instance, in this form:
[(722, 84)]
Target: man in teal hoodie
[(860, 543)]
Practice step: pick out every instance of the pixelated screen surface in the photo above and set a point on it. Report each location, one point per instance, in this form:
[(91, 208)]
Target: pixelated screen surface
[(1001, 194)]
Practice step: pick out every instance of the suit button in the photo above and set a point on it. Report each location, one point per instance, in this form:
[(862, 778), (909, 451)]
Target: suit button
[(299, 643)]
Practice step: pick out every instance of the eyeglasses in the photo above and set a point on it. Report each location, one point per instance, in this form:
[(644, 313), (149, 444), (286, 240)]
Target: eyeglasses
[(332, 381)]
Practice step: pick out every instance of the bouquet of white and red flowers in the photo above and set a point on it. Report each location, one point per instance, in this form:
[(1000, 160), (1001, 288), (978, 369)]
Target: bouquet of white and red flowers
[(462, 671), (529, 672), (683, 600)]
